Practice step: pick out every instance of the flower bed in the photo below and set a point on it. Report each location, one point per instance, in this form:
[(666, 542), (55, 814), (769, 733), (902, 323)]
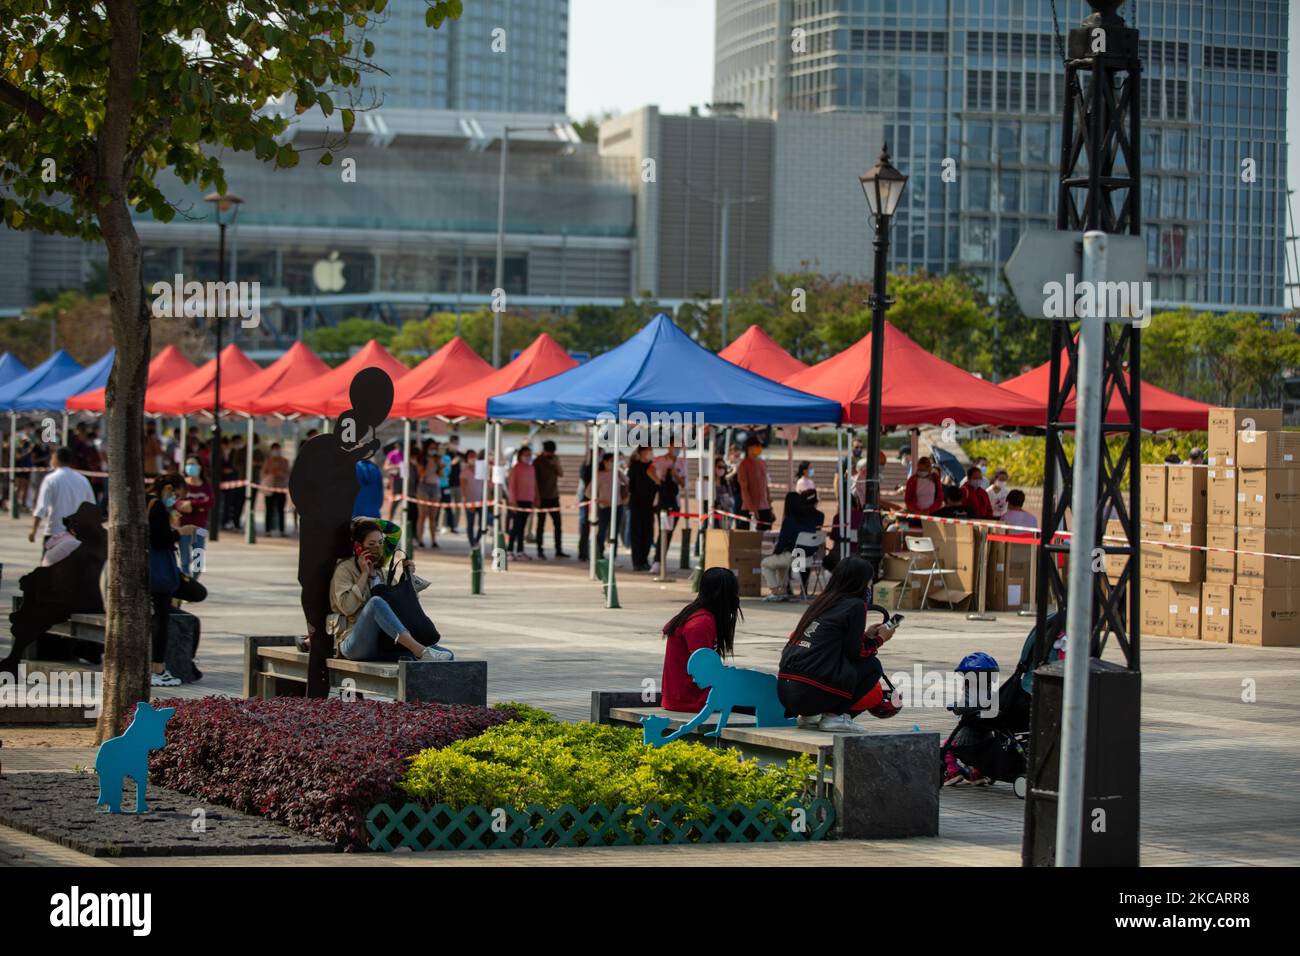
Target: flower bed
[(315, 765), (537, 782)]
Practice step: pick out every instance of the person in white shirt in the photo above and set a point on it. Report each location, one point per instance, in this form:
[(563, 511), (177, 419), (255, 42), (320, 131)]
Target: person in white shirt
[(61, 493), (1016, 513), (998, 492)]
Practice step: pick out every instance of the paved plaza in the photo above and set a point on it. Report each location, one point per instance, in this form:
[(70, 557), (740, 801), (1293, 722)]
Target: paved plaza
[(1220, 775)]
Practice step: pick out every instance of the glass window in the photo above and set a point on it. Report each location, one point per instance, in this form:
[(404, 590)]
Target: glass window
[(1009, 191), (1036, 144), (978, 188)]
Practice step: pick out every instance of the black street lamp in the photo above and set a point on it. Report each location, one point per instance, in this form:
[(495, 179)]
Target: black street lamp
[(226, 206), (883, 186)]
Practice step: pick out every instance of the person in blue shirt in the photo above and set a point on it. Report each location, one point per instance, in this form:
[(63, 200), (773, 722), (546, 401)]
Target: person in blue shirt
[(370, 495)]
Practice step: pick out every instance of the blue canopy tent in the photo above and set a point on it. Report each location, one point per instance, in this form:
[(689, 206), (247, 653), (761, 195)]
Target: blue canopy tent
[(10, 368), (660, 371), (54, 395), (53, 370)]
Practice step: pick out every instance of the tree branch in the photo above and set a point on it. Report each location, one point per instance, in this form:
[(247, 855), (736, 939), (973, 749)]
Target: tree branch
[(22, 101)]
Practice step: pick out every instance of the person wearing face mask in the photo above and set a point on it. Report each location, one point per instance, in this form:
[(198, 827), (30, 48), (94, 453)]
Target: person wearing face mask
[(804, 478), (722, 492), (195, 505), (755, 499), (998, 490), (164, 572), (830, 669), (800, 516), (521, 490), (923, 493), (275, 476), (643, 492)]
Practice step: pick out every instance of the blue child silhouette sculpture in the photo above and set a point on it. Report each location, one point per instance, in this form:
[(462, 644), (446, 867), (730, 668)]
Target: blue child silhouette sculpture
[(729, 687), (128, 756)]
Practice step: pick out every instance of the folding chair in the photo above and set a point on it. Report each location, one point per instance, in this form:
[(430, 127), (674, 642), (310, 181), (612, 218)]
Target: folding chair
[(811, 543), (922, 549)]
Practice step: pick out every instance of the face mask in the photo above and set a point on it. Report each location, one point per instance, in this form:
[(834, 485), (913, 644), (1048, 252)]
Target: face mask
[(810, 472), (192, 471), (169, 501)]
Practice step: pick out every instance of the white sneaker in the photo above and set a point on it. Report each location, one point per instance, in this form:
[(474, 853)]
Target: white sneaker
[(840, 724), (165, 679), (774, 598), (654, 568), (809, 723), (435, 653)]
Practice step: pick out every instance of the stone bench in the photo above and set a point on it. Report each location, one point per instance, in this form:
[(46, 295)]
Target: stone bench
[(183, 630), (883, 784), (274, 667)]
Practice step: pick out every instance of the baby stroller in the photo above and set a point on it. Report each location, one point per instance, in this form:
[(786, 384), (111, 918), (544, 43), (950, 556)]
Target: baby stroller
[(988, 747)]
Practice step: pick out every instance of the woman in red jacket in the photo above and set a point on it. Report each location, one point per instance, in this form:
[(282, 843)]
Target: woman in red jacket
[(924, 493), (708, 621)]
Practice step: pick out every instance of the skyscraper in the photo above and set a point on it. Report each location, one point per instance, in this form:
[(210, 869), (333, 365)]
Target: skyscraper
[(970, 95), (501, 56)]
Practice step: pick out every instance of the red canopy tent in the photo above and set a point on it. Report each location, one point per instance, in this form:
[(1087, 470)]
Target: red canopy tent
[(452, 366), (193, 392), (1160, 409), (167, 366), (328, 394), (542, 359), (293, 369), (758, 352), (918, 388)]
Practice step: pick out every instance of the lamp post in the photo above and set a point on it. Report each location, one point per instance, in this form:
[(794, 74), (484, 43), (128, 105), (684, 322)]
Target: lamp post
[(501, 230), (226, 207), (883, 186)]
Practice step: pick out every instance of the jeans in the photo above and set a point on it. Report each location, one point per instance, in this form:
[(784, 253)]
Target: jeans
[(451, 496), (518, 522), (194, 552), (471, 525), (555, 520), (275, 512), (363, 642)]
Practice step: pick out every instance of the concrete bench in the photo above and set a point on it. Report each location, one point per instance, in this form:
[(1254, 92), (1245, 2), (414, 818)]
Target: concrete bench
[(883, 784), (183, 630), (274, 667)]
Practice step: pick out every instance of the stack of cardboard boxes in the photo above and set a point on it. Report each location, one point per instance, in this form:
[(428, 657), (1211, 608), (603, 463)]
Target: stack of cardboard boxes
[(1247, 499), (954, 547)]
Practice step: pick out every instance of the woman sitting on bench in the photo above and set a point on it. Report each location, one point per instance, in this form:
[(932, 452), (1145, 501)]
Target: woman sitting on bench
[(708, 621), (360, 619), (829, 669)]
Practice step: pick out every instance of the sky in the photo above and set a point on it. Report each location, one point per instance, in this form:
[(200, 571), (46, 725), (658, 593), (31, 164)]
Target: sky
[(625, 54)]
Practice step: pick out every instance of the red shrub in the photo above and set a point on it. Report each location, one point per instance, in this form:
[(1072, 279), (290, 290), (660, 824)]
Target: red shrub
[(315, 765)]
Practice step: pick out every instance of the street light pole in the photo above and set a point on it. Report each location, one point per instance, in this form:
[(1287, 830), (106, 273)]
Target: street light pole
[(883, 186), (222, 203)]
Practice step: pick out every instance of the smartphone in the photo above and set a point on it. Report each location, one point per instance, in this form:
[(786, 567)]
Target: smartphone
[(895, 621)]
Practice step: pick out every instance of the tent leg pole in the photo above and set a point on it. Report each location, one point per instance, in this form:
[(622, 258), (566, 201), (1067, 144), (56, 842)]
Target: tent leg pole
[(593, 506), (610, 598), (484, 541), (13, 464), (499, 559), (250, 532), (406, 487)]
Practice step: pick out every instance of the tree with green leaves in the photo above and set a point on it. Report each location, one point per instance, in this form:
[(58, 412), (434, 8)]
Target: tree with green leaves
[(334, 343), (95, 100)]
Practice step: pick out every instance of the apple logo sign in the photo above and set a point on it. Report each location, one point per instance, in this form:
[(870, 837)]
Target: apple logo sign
[(328, 273)]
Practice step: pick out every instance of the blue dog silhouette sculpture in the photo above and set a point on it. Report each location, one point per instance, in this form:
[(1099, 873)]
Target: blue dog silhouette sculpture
[(729, 687), (128, 756)]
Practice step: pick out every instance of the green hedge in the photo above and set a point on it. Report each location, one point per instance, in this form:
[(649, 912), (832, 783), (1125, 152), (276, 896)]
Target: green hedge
[(539, 761), (1023, 457)]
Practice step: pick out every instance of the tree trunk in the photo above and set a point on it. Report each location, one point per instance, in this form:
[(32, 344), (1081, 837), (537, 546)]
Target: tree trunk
[(127, 641)]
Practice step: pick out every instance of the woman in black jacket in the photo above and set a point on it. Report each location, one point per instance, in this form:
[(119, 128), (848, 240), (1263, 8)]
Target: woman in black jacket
[(830, 671), (164, 572)]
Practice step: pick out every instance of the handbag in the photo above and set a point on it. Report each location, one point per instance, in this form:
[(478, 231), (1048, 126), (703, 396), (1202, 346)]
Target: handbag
[(405, 603), (190, 590), (164, 572)]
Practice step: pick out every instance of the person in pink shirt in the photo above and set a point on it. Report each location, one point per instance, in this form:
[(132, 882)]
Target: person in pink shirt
[(521, 492), (755, 499)]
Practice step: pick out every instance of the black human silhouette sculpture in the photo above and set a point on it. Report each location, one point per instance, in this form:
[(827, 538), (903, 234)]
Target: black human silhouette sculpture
[(70, 586), (323, 486)]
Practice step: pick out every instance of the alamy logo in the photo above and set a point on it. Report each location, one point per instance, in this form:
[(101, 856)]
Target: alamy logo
[(76, 909), (179, 299), (1096, 300), (84, 689)]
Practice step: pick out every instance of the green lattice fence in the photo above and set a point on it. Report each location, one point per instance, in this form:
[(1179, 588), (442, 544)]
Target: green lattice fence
[(443, 827)]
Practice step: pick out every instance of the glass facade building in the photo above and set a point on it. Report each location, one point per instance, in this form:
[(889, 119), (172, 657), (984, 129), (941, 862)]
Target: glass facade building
[(506, 56), (980, 83)]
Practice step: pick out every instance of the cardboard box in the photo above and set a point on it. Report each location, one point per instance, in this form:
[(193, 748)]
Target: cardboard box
[(1185, 494), (1183, 565), (1266, 617), (1155, 607), (955, 547), (723, 548), (1268, 449), (885, 593), (1226, 422), (749, 574), (1008, 576), (894, 567), (1220, 566), (1216, 613), (1268, 498), (1153, 492), (1221, 496), (1114, 562), (1185, 611), (1255, 571), (1153, 556)]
